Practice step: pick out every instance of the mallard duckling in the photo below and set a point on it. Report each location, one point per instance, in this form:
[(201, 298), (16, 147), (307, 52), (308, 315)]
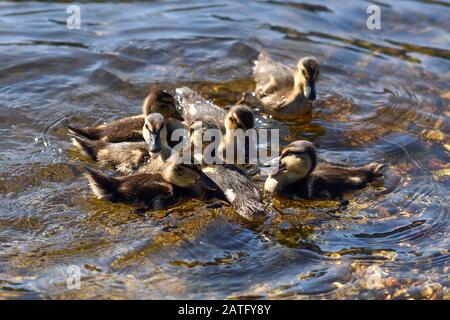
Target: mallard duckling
[(127, 157), (238, 118), (235, 185), (284, 92), (177, 183), (130, 128), (299, 177), (195, 107)]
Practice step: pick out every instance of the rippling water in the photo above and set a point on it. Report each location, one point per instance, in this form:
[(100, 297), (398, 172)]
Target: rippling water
[(383, 96)]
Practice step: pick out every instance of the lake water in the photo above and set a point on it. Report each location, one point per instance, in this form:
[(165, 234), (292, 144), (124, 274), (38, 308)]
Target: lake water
[(383, 96)]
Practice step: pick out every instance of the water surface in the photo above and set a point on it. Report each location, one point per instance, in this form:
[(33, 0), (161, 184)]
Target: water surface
[(383, 96)]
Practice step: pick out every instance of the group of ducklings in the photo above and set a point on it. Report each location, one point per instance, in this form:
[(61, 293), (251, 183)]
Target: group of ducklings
[(149, 172)]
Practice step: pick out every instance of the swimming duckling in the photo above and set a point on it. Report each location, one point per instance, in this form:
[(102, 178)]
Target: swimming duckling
[(177, 182), (238, 118), (195, 107), (235, 185), (299, 177), (130, 128), (284, 92), (127, 157)]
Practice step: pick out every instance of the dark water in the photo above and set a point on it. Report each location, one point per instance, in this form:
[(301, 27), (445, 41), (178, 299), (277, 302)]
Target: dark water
[(383, 96)]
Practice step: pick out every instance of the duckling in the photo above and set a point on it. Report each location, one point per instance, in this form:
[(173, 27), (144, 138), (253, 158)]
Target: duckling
[(127, 157), (299, 177), (177, 183), (130, 128), (238, 118), (196, 108), (237, 188), (283, 92)]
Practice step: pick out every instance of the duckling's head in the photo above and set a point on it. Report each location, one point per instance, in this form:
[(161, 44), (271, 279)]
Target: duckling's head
[(155, 133), (297, 160), (307, 76), (200, 141), (160, 101), (239, 117)]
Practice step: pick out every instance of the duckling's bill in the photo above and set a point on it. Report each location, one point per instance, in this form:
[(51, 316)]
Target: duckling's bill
[(310, 91)]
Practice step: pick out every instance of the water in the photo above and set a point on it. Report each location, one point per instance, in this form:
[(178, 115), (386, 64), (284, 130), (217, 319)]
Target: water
[(383, 96)]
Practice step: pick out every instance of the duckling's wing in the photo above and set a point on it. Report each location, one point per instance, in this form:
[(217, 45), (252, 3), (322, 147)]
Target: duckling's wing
[(126, 157), (271, 76), (238, 189), (89, 132), (143, 186), (125, 129)]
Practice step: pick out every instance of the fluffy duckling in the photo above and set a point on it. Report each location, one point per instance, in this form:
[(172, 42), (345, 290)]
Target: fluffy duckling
[(238, 118), (239, 191), (177, 183), (130, 128), (282, 91), (196, 108), (299, 177), (127, 157)]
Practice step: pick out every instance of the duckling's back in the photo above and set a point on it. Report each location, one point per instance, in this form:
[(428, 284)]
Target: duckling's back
[(271, 77), (195, 107), (126, 129), (238, 189), (327, 181), (140, 188)]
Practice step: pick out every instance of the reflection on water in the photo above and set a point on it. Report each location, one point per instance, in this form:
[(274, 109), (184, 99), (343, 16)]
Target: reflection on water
[(383, 96)]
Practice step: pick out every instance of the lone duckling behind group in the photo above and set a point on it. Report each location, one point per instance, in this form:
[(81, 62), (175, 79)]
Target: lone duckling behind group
[(282, 91), (300, 177)]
